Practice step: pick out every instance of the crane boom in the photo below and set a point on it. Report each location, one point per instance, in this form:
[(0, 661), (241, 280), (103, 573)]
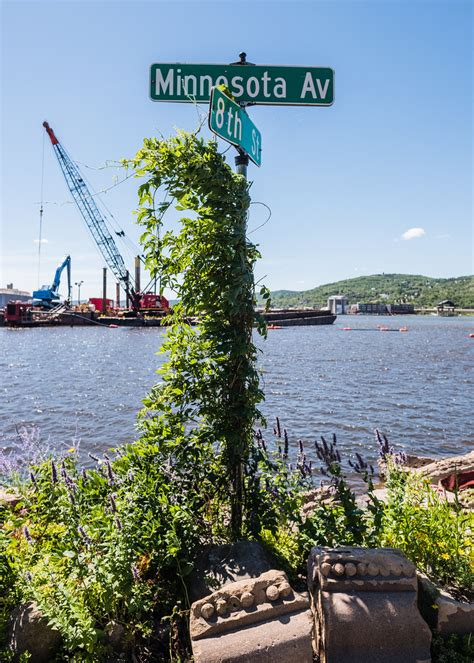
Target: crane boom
[(91, 214)]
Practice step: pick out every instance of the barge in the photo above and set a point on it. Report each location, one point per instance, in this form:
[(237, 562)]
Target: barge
[(21, 315)]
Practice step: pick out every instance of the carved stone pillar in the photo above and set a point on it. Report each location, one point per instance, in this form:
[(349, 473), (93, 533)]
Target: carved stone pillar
[(365, 607)]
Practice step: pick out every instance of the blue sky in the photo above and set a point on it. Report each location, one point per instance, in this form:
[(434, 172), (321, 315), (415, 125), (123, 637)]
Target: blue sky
[(345, 183)]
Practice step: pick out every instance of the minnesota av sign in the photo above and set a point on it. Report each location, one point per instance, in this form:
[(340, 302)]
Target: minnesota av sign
[(257, 84)]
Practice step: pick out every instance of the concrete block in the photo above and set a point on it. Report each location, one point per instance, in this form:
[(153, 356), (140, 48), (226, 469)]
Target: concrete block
[(365, 607), (262, 620)]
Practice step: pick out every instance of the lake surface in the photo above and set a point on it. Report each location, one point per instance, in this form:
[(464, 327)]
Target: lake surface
[(83, 386)]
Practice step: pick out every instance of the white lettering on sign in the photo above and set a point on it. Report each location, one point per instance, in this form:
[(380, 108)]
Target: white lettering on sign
[(187, 80), (280, 88), (262, 87), (164, 83), (220, 113), (322, 90), (221, 80), (205, 79), (236, 87), (308, 86), (253, 87), (265, 79), (237, 126), (255, 144)]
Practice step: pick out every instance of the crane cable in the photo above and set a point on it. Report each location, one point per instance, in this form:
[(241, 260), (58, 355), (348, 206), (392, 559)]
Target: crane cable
[(41, 214), (128, 245)]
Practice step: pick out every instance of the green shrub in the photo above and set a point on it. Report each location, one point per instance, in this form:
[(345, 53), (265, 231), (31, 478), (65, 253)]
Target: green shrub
[(435, 535)]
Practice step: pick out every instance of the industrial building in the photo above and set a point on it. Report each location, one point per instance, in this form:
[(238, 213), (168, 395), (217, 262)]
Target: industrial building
[(10, 294), (382, 309), (337, 304)]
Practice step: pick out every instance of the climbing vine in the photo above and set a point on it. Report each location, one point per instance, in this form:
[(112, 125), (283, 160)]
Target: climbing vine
[(204, 410)]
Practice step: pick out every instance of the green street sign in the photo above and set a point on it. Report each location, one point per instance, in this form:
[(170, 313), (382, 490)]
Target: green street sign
[(229, 121), (256, 84)]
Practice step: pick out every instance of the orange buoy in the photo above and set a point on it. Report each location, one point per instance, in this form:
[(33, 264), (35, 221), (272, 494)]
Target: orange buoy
[(113, 326), (347, 329), (274, 327), (403, 329), (471, 335)]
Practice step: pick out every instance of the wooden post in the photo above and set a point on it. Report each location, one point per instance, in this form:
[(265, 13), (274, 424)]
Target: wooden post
[(117, 295)]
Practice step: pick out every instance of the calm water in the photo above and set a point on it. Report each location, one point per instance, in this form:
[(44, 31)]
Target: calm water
[(86, 384)]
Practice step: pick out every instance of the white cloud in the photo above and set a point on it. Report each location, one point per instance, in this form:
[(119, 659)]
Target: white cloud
[(42, 241), (413, 233)]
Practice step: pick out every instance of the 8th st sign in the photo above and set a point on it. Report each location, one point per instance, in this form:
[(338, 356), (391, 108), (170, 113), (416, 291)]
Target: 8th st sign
[(257, 84), (229, 121)]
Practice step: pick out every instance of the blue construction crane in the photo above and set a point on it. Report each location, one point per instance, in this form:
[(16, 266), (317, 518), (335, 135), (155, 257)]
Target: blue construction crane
[(49, 295), (93, 218)]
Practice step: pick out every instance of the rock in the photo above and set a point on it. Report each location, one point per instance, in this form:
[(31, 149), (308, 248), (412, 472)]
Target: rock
[(316, 497), (220, 565), (445, 613), (381, 494), (442, 469), (409, 461), (115, 635), (29, 632), (275, 626), (365, 607), (10, 498)]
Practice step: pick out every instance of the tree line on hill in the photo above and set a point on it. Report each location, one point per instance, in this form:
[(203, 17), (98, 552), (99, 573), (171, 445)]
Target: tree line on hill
[(422, 291)]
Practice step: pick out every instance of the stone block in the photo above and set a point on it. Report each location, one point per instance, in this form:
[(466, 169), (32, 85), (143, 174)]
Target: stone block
[(260, 620), (365, 607), (448, 615)]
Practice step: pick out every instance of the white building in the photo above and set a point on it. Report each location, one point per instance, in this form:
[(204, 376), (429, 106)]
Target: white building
[(337, 304), (11, 294)]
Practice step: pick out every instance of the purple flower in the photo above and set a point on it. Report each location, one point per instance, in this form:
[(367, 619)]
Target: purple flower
[(27, 534), (93, 457), (110, 473), (33, 480), (112, 503), (118, 522), (135, 573), (278, 427), (85, 537), (54, 472)]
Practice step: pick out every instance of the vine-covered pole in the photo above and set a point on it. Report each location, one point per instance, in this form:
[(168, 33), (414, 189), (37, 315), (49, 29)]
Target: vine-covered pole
[(243, 326)]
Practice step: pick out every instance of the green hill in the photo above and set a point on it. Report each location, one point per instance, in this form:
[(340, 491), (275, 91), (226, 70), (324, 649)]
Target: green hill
[(422, 291)]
